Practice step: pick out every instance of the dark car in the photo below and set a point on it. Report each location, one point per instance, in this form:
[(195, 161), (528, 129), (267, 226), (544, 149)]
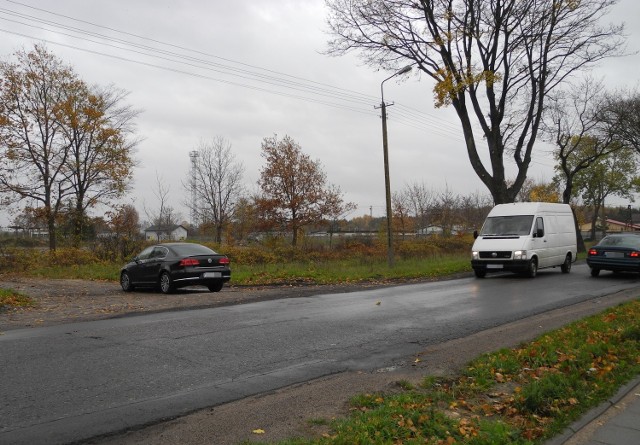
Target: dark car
[(172, 265), (617, 252)]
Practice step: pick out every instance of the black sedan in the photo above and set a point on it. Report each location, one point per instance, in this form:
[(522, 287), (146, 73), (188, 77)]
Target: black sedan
[(617, 252), (172, 265)]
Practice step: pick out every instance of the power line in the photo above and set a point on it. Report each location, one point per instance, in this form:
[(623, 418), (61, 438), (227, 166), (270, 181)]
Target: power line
[(273, 78)]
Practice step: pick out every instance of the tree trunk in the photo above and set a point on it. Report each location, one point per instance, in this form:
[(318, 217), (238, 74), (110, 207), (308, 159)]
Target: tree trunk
[(594, 221), (219, 233), (579, 238), (51, 226), (78, 223)]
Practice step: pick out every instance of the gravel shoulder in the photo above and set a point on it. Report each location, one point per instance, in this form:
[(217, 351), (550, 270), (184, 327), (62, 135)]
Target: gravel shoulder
[(67, 301), (284, 413)]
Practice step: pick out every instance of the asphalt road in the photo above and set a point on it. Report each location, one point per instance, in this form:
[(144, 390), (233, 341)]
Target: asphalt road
[(66, 383)]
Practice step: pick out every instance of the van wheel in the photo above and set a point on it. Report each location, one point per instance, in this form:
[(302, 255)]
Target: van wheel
[(480, 273), (532, 270), (566, 266), (595, 272)]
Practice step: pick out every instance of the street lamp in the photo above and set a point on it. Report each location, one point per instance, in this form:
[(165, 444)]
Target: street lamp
[(385, 150)]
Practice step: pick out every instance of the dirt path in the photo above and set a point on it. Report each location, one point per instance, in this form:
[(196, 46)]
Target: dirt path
[(287, 412)]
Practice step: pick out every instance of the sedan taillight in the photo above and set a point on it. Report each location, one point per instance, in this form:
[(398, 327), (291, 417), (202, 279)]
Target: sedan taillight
[(593, 252), (634, 254), (189, 262), (224, 260)]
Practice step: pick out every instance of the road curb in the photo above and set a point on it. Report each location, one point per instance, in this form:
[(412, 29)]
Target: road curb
[(594, 413)]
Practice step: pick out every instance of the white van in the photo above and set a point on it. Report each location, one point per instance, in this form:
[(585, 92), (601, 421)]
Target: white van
[(524, 237)]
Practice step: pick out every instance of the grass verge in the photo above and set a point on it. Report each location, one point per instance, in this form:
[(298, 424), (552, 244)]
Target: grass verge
[(523, 395), (347, 271)]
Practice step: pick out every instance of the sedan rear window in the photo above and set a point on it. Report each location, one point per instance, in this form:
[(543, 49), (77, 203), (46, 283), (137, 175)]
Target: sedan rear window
[(632, 241), (192, 249)]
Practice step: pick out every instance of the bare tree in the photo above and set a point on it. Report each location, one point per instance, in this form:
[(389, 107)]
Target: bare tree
[(163, 217), (494, 62), (402, 221), (422, 201), (218, 184), (446, 214), (621, 112), (575, 125), (473, 209)]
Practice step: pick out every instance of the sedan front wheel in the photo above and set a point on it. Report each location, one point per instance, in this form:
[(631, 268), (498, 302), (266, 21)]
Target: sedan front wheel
[(125, 282)]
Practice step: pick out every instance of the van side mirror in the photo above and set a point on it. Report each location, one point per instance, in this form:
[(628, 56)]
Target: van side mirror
[(539, 232), (475, 234)]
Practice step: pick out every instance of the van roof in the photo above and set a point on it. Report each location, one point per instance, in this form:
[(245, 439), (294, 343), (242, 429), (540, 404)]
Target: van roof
[(528, 208)]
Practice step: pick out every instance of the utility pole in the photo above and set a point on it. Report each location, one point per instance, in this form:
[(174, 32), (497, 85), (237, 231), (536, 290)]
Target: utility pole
[(387, 181)]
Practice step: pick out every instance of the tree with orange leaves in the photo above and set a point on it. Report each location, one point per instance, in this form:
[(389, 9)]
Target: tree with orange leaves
[(294, 189)]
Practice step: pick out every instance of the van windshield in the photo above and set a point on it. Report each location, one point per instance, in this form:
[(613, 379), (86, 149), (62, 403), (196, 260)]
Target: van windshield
[(507, 225)]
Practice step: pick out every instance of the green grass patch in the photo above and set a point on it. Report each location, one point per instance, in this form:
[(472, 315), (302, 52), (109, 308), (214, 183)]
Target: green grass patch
[(523, 395), (12, 299), (351, 270)]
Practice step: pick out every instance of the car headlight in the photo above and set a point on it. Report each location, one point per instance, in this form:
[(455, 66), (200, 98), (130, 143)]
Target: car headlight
[(520, 255), (475, 255)]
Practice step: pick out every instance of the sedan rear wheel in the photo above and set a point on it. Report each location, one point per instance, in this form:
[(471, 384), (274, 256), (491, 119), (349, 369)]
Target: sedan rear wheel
[(166, 284), (125, 282), (595, 272), (215, 287)]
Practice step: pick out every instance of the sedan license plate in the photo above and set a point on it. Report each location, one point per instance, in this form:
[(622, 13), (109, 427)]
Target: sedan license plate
[(614, 254), (494, 266), (211, 275)]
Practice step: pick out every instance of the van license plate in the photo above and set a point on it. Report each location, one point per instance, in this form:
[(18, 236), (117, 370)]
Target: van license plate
[(494, 266), (211, 275)]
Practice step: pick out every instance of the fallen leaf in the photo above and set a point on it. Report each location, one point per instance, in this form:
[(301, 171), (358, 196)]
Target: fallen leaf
[(258, 431)]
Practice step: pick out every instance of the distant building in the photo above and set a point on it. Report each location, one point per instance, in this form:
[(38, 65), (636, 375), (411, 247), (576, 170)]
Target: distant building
[(612, 226), (166, 233)]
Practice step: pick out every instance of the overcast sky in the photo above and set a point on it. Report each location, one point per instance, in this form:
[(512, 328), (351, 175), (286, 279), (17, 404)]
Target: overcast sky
[(202, 80)]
